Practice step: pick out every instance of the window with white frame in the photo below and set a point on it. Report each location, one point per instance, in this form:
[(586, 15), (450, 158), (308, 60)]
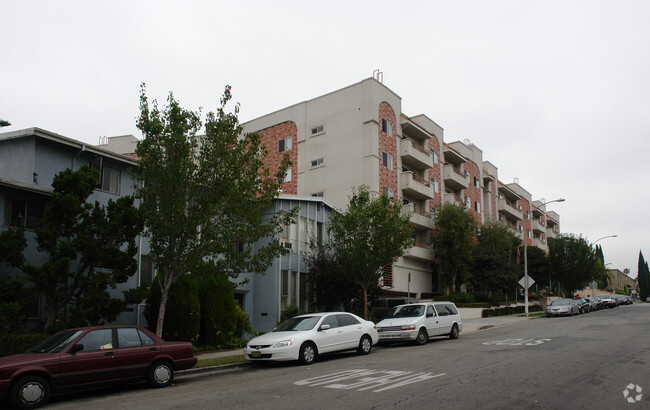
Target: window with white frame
[(287, 177), (388, 192), (387, 126), (477, 183), (317, 162), (434, 154), (317, 194), (320, 129), (284, 144), (387, 160), (436, 185), (477, 206), (109, 177)]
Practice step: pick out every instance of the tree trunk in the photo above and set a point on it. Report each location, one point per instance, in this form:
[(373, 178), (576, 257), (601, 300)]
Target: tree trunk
[(51, 317), (365, 302), (163, 305)]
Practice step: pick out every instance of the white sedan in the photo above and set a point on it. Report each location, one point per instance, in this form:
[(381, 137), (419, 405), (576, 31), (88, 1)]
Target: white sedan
[(304, 337)]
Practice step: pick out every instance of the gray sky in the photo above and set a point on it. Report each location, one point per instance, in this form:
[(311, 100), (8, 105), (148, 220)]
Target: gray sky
[(556, 93)]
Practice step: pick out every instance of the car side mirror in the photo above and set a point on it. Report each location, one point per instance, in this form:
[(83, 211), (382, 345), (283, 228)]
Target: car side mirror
[(76, 348), (324, 327)]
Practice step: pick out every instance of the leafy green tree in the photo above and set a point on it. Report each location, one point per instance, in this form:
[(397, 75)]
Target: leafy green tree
[(12, 298), (494, 260), (538, 265), (88, 247), (4, 123), (329, 285), (205, 197), (454, 238), (574, 261), (369, 235), (643, 277)]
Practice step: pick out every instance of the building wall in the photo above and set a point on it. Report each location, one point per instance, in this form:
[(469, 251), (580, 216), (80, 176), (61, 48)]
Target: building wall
[(271, 137)]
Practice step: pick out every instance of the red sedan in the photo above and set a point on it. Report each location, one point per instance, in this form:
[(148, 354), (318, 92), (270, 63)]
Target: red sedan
[(90, 357)]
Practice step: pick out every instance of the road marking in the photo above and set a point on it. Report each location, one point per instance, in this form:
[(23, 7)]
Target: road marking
[(364, 379), (517, 342)]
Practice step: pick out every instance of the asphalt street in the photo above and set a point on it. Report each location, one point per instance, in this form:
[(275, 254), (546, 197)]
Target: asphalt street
[(596, 360)]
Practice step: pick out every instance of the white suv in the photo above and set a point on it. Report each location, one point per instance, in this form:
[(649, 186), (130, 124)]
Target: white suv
[(419, 321)]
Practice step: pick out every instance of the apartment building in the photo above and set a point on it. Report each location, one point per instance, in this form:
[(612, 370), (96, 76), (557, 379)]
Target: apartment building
[(359, 135)]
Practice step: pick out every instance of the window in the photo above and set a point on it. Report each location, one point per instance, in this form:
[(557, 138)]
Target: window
[(146, 270), (284, 144), (23, 212), (467, 200), (97, 340), (436, 186), (317, 130), (109, 177), (388, 192), (331, 320), (477, 206), (287, 177), (347, 320), (430, 311), (387, 160), (317, 195), (477, 184), (317, 162), (386, 126), (434, 154)]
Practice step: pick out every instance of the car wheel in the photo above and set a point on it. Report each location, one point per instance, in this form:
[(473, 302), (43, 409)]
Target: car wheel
[(161, 374), (307, 353), (454, 332), (30, 392), (365, 345), (422, 337)]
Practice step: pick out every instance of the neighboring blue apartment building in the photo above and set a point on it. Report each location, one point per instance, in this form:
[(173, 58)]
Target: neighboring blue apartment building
[(29, 160)]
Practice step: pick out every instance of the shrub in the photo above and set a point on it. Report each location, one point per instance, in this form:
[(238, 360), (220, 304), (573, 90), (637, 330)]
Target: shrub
[(218, 307), (182, 314), (14, 344), (289, 312)]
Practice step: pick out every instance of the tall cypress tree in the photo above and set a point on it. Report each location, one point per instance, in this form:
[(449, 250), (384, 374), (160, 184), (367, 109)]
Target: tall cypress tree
[(644, 277)]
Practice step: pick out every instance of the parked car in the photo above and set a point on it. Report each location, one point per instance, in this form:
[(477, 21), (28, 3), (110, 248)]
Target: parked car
[(623, 299), (562, 307), (305, 337), (382, 306), (608, 301), (583, 306), (593, 303), (418, 322), (86, 358)]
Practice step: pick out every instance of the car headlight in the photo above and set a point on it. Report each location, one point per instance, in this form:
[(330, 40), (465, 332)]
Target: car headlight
[(408, 327), (283, 343)]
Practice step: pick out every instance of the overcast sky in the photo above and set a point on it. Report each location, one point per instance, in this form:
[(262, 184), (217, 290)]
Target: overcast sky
[(555, 93)]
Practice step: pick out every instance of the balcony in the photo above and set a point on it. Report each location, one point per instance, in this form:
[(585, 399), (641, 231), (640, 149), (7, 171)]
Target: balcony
[(450, 198), (454, 178), (422, 251), (415, 186), (510, 210), (415, 154), (538, 227), (419, 217)]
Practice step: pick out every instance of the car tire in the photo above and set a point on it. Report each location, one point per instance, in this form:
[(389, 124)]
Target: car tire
[(29, 392), (161, 374), (365, 345), (422, 338), (307, 353), (454, 332)]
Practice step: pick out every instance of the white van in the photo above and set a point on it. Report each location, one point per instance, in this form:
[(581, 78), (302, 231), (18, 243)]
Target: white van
[(420, 321)]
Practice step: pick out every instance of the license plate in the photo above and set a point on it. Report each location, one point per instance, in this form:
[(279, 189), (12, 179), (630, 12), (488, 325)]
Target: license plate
[(256, 353)]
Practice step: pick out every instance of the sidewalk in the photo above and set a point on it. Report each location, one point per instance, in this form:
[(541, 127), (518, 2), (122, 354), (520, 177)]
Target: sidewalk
[(469, 326)]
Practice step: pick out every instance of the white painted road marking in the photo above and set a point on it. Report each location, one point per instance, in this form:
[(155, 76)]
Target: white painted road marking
[(364, 379), (517, 342)]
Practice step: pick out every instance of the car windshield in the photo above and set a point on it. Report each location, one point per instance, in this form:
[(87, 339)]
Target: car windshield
[(56, 342), (298, 323), (406, 311), (560, 302)]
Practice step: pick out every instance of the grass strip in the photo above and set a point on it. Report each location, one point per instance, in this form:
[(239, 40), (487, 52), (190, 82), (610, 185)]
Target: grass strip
[(218, 361)]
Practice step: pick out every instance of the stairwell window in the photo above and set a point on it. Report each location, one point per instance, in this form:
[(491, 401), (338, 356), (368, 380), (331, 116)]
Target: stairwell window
[(284, 144), (317, 130), (387, 160), (386, 126), (317, 162)]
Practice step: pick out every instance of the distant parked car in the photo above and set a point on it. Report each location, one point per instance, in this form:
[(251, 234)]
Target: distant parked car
[(608, 301), (417, 322), (562, 307), (623, 299), (593, 303), (305, 337), (583, 306), (86, 358)]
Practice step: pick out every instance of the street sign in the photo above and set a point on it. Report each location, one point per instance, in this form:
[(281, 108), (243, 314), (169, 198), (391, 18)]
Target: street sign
[(593, 284), (522, 282)]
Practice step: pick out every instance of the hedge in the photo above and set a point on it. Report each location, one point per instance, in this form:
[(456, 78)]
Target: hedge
[(14, 344), (510, 310)]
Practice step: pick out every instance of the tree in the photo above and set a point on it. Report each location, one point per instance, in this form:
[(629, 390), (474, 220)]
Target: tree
[(494, 260), (204, 197), (643, 277), (538, 266), (454, 237), (573, 260), (4, 123), (88, 248), (369, 235)]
